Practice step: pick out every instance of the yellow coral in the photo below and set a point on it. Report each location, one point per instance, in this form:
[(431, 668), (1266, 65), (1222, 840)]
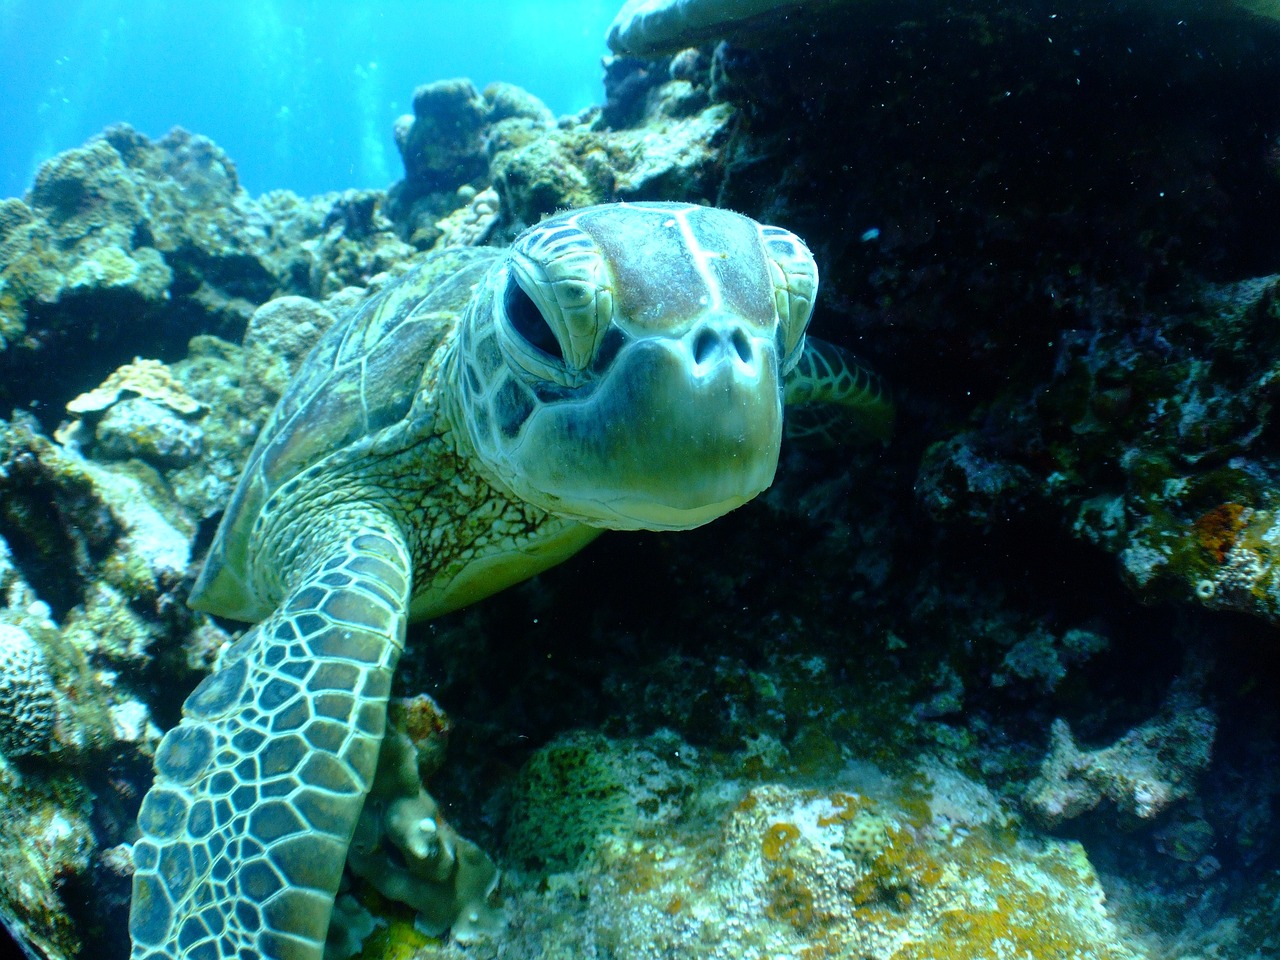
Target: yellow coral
[(791, 901), (847, 807), (865, 835), (778, 839), (1021, 916), (397, 941), (145, 378)]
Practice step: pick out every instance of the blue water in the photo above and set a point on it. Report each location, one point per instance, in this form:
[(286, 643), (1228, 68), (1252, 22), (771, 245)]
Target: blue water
[(301, 93)]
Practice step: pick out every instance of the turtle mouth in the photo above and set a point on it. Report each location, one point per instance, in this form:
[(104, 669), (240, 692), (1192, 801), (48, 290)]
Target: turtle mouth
[(678, 432)]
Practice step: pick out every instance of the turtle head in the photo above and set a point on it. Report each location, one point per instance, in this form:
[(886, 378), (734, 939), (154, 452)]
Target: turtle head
[(623, 365)]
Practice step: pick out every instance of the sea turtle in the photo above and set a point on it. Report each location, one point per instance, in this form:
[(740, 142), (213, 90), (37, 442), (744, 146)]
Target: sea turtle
[(622, 366)]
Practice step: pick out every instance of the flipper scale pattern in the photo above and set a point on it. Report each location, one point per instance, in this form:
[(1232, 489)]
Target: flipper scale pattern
[(833, 399), (257, 791)]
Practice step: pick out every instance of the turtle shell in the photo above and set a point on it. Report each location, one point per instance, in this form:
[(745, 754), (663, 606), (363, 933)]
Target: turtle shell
[(361, 377)]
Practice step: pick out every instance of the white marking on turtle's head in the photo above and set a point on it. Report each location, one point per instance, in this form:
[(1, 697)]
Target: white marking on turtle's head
[(623, 366)]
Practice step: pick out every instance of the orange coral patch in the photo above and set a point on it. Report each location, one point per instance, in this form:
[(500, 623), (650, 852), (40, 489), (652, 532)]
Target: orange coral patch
[(777, 839), (1217, 529)]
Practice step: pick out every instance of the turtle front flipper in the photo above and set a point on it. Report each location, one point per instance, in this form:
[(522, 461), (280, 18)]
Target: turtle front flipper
[(832, 399), (258, 789)]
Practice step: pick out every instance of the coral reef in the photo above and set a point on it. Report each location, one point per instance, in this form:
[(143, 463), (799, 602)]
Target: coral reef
[(28, 709), (619, 790), (927, 864), (139, 411), (141, 428), (1142, 773), (128, 241), (405, 849), (71, 740), (280, 334), (149, 379), (505, 152), (48, 829), (470, 226), (442, 143), (812, 729), (672, 155), (649, 28), (446, 146)]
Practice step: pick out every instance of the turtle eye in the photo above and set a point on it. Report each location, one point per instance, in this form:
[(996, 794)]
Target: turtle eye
[(527, 320)]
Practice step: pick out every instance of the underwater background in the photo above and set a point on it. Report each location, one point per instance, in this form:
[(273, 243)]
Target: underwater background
[(298, 92), (1000, 687)]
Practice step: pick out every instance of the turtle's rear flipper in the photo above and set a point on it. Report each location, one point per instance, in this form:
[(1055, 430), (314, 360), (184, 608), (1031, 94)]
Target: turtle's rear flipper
[(832, 399), (257, 790)]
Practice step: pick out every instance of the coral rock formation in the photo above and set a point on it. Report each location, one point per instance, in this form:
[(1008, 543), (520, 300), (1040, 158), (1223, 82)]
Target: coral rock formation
[(1142, 773), (28, 707)]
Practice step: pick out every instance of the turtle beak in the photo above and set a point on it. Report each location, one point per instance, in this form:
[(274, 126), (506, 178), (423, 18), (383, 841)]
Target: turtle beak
[(683, 430)]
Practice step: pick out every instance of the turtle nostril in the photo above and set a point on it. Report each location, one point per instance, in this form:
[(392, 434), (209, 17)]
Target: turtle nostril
[(704, 346), (741, 345)]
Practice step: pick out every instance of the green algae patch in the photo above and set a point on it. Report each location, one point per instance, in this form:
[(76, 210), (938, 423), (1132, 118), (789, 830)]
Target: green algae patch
[(583, 792)]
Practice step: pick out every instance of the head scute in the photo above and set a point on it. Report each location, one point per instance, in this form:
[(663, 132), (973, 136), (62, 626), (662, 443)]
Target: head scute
[(561, 270), (528, 319), (795, 285), (626, 368)]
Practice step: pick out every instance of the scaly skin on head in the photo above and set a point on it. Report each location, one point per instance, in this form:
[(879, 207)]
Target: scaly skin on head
[(626, 367)]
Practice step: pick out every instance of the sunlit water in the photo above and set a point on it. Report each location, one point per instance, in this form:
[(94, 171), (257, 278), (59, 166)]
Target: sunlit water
[(301, 94)]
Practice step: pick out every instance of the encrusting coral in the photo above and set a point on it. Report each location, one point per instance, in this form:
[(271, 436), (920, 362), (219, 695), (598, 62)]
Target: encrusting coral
[(28, 706)]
